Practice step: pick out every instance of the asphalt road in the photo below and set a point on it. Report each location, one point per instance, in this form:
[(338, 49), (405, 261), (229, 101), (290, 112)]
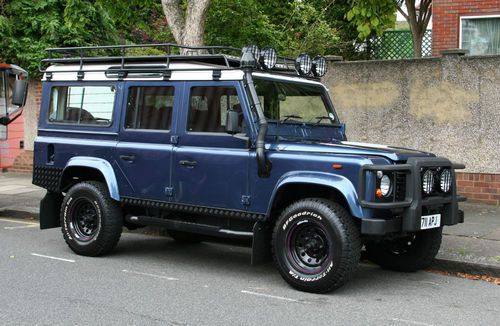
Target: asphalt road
[(153, 280)]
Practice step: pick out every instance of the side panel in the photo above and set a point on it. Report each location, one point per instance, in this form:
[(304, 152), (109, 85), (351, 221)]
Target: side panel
[(60, 145)]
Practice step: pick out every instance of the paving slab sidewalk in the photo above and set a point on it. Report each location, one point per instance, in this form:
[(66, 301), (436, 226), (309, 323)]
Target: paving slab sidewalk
[(472, 247)]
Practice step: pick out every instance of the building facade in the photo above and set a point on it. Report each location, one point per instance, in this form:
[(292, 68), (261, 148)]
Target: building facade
[(472, 25)]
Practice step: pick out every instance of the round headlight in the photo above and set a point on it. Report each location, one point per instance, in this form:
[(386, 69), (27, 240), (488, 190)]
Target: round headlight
[(428, 182), (303, 64), (319, 66), (445, 180), (385, 185), (268, 58), (254, 49)]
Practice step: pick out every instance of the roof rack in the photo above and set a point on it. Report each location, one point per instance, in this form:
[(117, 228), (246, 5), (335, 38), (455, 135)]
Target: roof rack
[(126, 58)]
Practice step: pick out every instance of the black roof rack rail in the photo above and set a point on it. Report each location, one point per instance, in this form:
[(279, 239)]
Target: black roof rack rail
[(125, 56)]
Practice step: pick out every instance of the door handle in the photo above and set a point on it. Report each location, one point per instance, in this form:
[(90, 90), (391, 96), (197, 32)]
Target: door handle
[(188, 163), (127, 158)]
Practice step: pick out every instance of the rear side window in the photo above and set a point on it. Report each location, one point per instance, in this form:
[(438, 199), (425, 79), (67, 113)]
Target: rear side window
[(149, 107), (87, 105)]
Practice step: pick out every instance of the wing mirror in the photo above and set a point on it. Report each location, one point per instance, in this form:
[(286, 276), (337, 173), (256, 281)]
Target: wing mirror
[(232, 122), (19, 93)]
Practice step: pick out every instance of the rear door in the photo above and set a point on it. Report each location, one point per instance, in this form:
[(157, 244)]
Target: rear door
[(144, 151)]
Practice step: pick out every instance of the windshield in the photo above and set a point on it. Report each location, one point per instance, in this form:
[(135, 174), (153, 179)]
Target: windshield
[(297, 111), (289, 102)]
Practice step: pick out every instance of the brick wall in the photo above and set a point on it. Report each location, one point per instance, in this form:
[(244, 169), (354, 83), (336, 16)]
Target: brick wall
[(446, 20), (479, 187), (24, 161)]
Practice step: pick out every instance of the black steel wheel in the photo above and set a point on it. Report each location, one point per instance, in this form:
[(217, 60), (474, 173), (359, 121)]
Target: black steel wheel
[(407, 254), (316, 245), (91, 221)]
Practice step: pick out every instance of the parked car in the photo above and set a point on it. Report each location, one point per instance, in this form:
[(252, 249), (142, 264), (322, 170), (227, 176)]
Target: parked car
[(230, 143)]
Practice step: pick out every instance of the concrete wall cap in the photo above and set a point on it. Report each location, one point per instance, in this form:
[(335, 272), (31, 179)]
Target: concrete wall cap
[(459, 52), (334, 58)]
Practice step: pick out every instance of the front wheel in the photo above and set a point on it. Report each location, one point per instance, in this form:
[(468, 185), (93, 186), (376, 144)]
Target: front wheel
[(316, 245), (91, 221), (407, 254)]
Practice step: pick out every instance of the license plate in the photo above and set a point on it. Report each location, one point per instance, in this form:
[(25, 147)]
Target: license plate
[(430, 221)]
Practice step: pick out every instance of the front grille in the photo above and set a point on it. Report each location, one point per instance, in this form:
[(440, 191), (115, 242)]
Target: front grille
[(399, 186)]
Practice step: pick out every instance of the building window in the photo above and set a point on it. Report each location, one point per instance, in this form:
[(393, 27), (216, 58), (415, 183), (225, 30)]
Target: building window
[(480, 34), (150, 107), (86, 105)]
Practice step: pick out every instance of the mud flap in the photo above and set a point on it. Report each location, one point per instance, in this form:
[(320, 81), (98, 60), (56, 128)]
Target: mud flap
[(50, 207), (261, 243)]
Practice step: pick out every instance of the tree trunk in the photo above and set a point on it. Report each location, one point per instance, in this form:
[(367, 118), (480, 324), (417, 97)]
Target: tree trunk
[(417, 44), (187, 28)]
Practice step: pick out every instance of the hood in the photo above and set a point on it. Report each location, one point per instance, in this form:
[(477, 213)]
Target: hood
[(351, 148)]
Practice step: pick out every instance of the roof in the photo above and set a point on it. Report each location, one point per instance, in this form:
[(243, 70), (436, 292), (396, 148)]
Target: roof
[(122, 62)]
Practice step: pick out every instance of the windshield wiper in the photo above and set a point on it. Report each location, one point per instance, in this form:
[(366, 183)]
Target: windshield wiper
[(287, 117), (321, 119)]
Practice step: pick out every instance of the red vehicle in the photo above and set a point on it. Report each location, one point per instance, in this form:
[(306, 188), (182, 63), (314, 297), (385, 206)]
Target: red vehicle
[(13, 91)]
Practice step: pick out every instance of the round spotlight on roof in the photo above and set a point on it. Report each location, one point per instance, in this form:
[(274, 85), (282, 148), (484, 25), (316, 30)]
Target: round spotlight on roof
[(253, 49), (319, 66), (268, 58), (303, 64)]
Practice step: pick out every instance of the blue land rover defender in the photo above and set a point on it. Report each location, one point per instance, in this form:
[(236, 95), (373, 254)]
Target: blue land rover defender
[(220, 142)]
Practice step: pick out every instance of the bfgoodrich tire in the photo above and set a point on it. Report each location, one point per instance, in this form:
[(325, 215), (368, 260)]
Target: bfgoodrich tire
[(407, 254), (316, 245), (91, 221)]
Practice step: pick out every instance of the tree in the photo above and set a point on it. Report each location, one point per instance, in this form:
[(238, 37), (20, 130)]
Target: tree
[(28, 27), (187, 25), (375, 16)]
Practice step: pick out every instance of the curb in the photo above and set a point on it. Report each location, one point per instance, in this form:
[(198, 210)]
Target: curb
[(19, 214), (464, 267)]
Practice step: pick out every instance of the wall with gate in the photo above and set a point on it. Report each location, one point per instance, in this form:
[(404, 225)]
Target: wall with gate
[(449, 106)]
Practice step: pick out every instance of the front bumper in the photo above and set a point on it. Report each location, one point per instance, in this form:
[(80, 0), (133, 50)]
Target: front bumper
[(407, 211)]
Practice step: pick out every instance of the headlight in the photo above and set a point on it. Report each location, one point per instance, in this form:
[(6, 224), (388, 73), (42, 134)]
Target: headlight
[(254, 49), (268, 58), (428, 182), (319, 66), (303, 64), (385, 185), (445, 180)]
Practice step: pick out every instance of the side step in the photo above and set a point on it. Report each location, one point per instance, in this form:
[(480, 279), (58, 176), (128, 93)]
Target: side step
[(209, 230)]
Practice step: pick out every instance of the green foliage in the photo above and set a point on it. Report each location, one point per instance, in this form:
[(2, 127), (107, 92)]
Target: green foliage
[(372, 16), (290, 26), (28, 27)]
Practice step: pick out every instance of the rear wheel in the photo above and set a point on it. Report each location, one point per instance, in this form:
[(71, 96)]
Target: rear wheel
[(91, 221), (407, 254), (316, 245)]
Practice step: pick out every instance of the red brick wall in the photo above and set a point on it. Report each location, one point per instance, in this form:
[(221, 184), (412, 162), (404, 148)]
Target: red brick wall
[(479, 187), (23, 163), (446, 20)]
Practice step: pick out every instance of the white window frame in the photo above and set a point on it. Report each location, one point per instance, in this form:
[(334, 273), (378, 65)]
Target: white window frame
[(471, 17)]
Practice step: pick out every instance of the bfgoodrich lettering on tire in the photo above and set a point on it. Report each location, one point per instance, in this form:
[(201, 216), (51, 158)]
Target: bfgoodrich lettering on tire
[(316, 245), (91, 221)]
